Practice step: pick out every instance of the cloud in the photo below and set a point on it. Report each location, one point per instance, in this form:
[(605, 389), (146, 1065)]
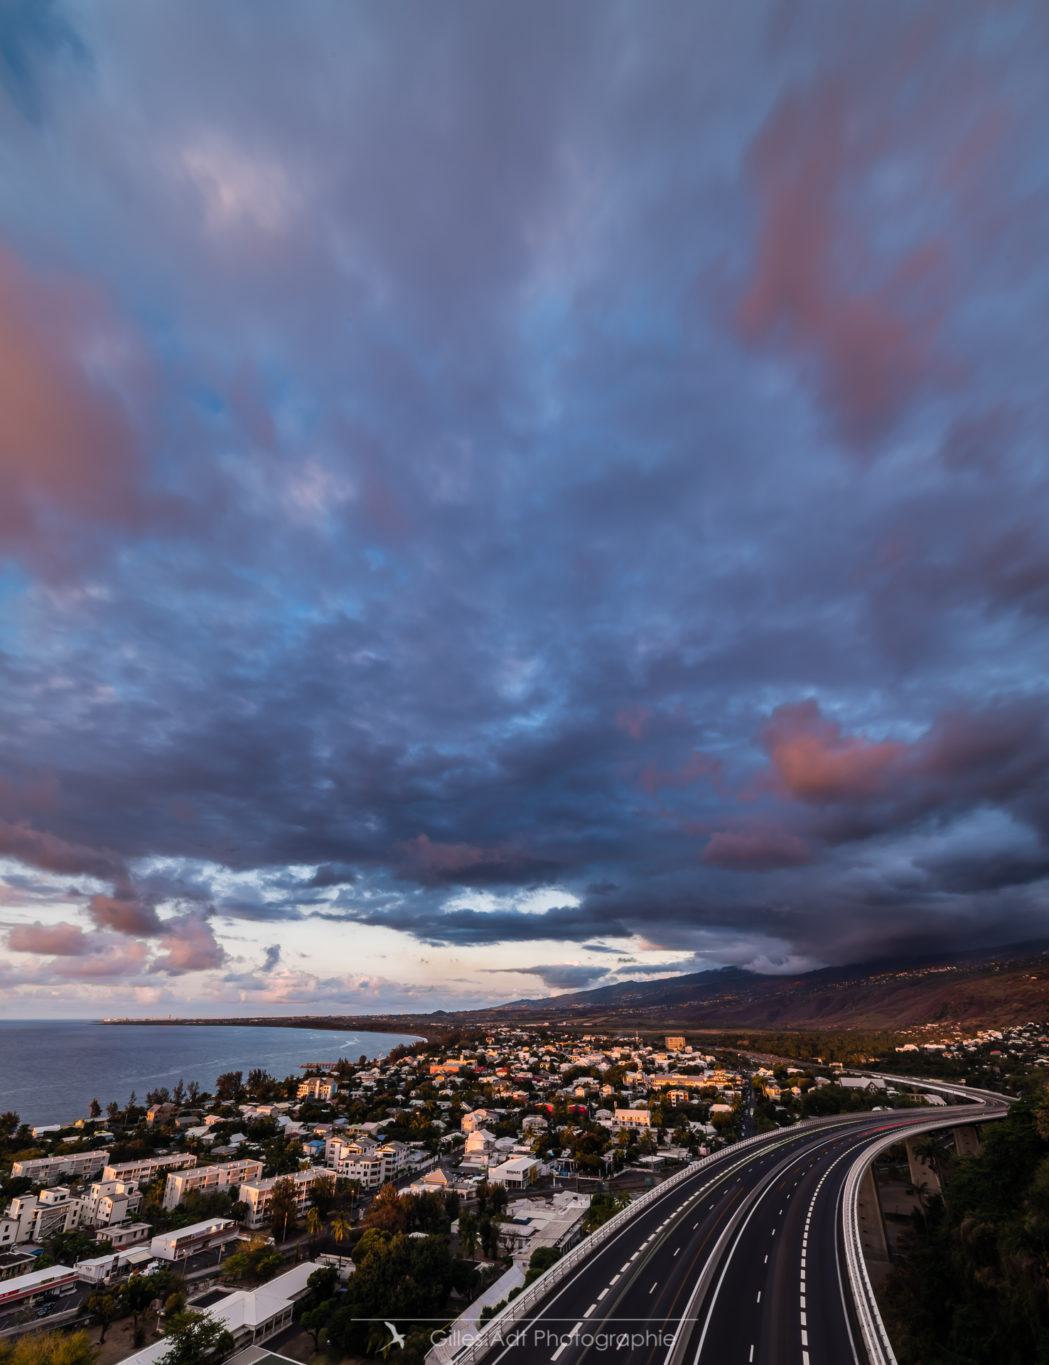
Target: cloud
[(64, 940), (816, 762), (126, 915), (563, 976), (756, 848), (189, 946), (69, 453)]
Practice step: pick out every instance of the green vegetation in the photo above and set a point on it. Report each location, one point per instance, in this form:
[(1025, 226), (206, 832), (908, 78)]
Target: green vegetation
[(199, 1340), (48, 1348), (971, 1289)]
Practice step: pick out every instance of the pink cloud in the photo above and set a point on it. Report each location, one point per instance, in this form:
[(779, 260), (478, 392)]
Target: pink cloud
[(189, 946), (52, 854), (67, 444), (814, 291), (61, 940), (125, 915), (814, 761), (756, 848)]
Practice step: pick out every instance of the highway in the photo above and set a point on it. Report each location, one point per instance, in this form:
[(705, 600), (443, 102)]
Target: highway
[(741, 1263)]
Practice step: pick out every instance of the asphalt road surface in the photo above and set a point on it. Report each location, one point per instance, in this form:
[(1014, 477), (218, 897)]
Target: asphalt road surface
[(742, 1264)]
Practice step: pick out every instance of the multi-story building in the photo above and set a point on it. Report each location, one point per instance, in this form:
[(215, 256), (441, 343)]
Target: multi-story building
[(209, 1178), (49, 1170), (258, 1194), (185, 1242), (109, 1202), (632, 1118), (317, 1088), (147, 1167), (370, 1163), (35, 1217)]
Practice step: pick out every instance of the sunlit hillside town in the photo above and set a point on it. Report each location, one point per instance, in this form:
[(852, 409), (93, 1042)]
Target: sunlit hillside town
[(501, 1150)]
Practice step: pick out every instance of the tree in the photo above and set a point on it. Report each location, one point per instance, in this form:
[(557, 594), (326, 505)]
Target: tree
[(179, 1093), (112, 1111), (48, 1348), (94, 1110), (9, 1122), (341, 1227), (256, 1261), (105, 1307), (199, 1341), (283, 1209), (467, 1234), (228, 1085), (314, 1225), (139, 1293), (387, 1211), (193, 1092)]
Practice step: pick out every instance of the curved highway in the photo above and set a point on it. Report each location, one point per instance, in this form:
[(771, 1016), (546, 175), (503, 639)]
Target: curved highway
[(742, 1263)]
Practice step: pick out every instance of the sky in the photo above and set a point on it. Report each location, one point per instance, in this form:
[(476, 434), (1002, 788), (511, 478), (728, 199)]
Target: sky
[(497, 499)]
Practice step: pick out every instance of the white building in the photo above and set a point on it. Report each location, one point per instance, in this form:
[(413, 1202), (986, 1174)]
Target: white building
[(516, 1173), (48, 1170), (318, 1088), (632, 1118), (183, 1242), (24, 1290), (108, 1202), (251, 1315), (208, 1178), (478, 1118), (372, 1164), (258, 1194), (35, 1217), (148, 1167)]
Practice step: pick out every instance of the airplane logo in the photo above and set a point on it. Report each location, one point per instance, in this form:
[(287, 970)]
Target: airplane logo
[(396, 1338)]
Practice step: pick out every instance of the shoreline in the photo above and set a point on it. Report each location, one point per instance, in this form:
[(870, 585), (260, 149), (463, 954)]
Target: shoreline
[(407, 1026)]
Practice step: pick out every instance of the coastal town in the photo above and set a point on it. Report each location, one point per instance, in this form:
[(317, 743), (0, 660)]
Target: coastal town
[(284, 1208)]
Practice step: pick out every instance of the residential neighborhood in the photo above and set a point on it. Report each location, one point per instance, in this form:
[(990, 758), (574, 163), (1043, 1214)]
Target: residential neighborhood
[(503, 1149)]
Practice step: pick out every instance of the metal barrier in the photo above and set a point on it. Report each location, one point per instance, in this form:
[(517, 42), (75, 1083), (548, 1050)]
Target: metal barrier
[(497, 1328)]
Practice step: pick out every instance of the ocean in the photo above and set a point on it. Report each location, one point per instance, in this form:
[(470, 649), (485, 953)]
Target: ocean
[(50, 1071)]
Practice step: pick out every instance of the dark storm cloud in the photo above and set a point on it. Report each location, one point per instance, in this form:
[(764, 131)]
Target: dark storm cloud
[(594, 451), (567, 977)]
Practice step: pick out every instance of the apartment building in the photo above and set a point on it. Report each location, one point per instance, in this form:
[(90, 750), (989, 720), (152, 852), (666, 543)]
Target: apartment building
[(318, 1088), (370, 1163), (209, 1178), (35, 1217), (258, 1194), (147, 1167), (632, 1118), (49, 1170), (108, 1202)]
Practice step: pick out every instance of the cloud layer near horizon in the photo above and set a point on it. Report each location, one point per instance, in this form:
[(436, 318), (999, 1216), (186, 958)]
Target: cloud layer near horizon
[(569, 477)]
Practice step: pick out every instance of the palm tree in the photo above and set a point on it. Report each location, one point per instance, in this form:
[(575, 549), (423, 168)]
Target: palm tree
[(341, 1227), (314, 1225)]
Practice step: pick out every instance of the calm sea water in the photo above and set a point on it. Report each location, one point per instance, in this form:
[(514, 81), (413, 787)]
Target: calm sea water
[(51, 1071)]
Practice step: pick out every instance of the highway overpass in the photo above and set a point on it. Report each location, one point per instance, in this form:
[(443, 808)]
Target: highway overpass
[(749, 1257)]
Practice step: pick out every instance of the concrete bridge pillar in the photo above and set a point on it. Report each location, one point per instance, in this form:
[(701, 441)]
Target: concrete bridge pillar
[(872, 1223), (967, 1140), (923, 1175)]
